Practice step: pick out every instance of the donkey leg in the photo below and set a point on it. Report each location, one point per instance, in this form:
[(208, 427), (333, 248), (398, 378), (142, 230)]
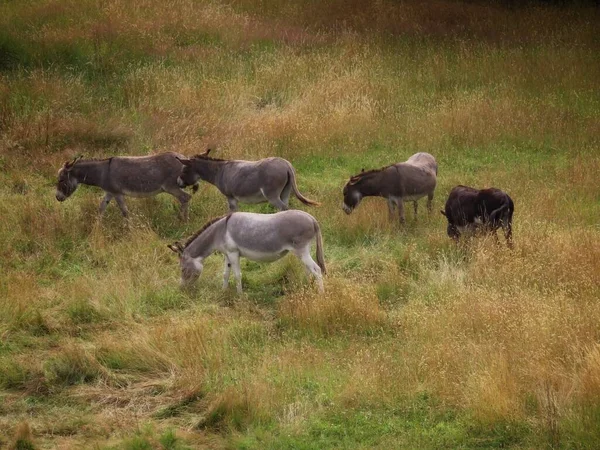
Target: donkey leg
[(285, 194), (122, 206), (507, 228), (233, 204), (226, 273), (274, 199), (401, 216), (183, 198), (311, 266), (391, 207), (104, 203), (415, 206), (278, 203), (234, 260), (430, 203), (494, 232)]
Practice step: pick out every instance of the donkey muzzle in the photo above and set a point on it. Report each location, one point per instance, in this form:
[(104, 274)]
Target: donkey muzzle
[(346, 208), (60, 196), (180, 182)]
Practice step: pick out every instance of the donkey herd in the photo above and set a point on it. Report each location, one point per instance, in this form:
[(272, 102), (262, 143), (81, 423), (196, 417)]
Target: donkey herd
[(268, 237)]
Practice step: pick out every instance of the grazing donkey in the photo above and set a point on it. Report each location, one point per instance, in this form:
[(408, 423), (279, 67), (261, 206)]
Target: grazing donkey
[(468, 210), (398, 183), (259, 237), (266, 180), (137, 176)]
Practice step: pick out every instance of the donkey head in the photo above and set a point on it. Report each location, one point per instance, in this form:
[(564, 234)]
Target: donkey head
[(67, 182), (189, 176), (352, 194), (191, 268)]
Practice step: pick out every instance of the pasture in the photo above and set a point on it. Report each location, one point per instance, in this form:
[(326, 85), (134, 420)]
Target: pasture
[(417, 342)]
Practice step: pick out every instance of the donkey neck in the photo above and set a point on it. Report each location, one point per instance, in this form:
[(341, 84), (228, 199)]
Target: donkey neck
[(370, 185), (90, 172), (209, 169), (208, 241)]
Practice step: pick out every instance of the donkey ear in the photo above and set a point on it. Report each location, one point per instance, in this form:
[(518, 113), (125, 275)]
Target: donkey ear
[(176, 247), (362, 170), (184, 161), (207, 151), (69, 164)]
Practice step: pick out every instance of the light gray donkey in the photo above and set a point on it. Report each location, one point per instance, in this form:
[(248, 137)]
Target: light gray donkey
[(398, 183), (136, 176), (266, 180), (259, 237)]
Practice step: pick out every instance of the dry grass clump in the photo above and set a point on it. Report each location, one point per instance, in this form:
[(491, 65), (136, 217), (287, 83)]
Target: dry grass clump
[(587, 385), (136, 354), (23, 438), (546, 260), (492, 392), (237, 407), (290, 383), (341, 309), (73, 364)]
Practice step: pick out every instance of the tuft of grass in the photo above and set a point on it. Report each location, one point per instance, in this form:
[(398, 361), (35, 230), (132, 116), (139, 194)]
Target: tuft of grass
[(13, 375), (23, 439), (81, 312), (341, 309), (70, 366)]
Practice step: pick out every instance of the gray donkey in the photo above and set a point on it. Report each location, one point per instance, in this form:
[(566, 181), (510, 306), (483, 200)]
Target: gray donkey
[(259, 237), (266, 180), (398, 183), (136, 176)]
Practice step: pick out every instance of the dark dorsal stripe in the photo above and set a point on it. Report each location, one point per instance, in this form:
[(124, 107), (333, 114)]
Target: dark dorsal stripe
[(356, 178), (199, 232)]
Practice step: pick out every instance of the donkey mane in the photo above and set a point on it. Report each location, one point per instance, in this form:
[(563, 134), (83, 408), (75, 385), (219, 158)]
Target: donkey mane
[(356, 178), (207, 158), (201, 230)]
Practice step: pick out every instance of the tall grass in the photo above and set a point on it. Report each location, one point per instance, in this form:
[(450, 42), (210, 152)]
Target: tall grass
[(417, 342)]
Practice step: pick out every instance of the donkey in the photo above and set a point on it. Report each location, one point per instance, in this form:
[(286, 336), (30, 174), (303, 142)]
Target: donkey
[(398, 183), (469, 210), (266, 180), (259, 237), (137, 176)]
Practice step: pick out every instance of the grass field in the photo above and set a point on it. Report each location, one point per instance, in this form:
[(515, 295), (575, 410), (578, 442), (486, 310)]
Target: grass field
[(417, 342)]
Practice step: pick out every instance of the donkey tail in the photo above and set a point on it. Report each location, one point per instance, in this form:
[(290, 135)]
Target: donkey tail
[(495, 214), (320, 258), (302, 198)]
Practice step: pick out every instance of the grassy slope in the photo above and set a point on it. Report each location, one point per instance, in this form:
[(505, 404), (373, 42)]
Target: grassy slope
[(417, 343)]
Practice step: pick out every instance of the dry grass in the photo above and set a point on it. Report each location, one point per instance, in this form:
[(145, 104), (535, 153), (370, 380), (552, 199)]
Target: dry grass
[(341, 309)]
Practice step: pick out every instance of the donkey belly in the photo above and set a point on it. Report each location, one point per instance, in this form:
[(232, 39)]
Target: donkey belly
[(251, 198), (257, 255), (413, 197), (141, 193)]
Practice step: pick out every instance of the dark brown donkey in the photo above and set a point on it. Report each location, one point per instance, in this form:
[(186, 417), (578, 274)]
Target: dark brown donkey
[(136, 176), (469, 210), (398, 183), (266, 180)]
